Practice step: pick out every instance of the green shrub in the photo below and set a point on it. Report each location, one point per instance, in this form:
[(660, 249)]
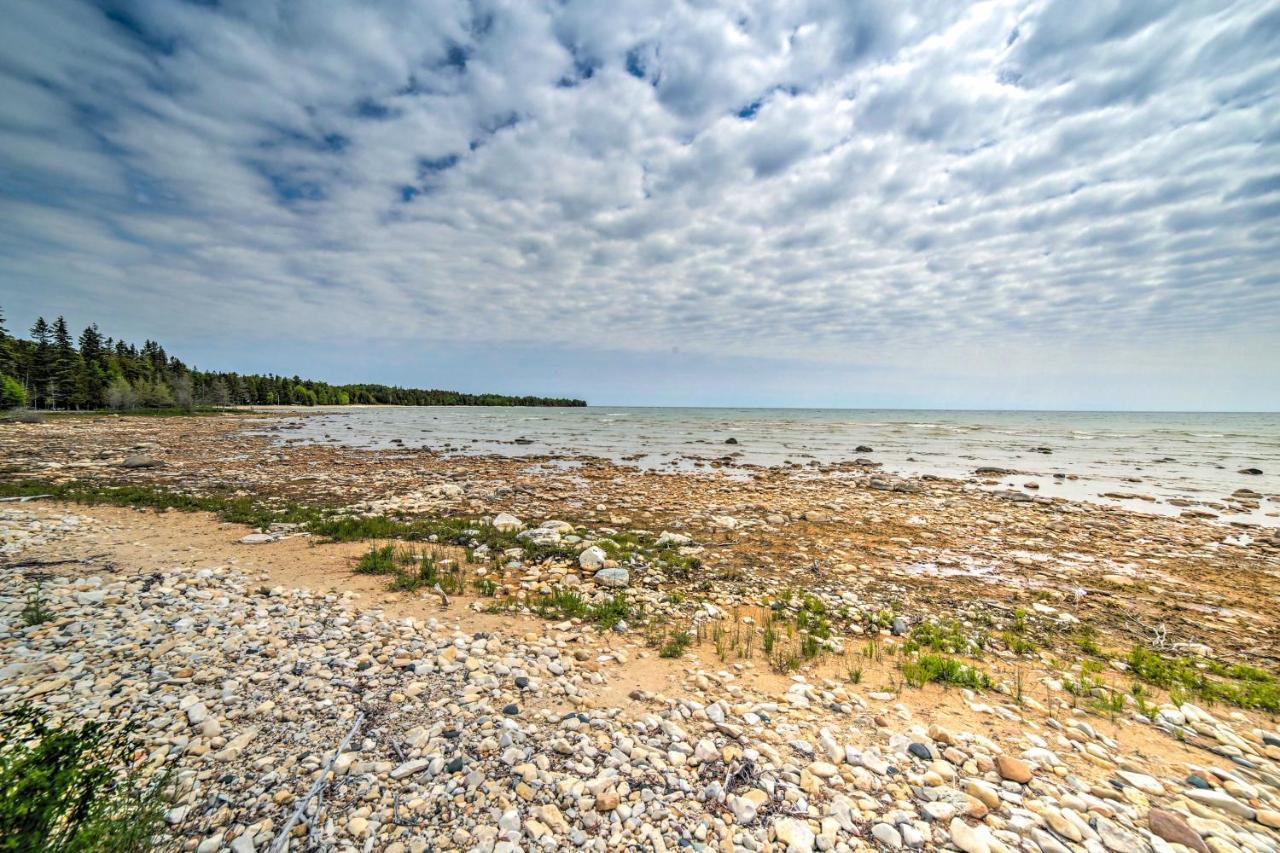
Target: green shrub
[(65, 790), (1241, 685), (675, 645), (944, 670), (12, 394)]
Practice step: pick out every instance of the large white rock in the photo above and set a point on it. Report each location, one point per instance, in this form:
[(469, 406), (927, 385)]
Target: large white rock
[(967, 838), (592, 558), (795, 834), (506, 522)]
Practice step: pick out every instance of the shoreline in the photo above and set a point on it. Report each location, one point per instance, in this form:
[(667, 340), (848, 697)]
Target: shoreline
[(1018, 591)]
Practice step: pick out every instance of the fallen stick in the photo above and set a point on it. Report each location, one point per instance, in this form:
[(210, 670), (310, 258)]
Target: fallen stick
[(23, 498), (283, 838)]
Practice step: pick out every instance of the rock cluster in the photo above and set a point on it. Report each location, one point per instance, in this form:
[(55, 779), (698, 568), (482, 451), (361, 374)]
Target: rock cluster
[(487, 741)]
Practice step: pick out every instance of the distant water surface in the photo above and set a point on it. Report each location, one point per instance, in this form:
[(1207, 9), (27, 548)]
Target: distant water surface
[(1163, 455)]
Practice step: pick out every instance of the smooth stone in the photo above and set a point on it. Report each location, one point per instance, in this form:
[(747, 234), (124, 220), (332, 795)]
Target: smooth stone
[(1220, 800), (967, 838), (795, 834), (1174, 828), (887, 835), (1013, 769)]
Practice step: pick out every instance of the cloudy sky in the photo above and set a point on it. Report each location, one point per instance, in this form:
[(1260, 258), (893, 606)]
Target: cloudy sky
[(1033, 203)]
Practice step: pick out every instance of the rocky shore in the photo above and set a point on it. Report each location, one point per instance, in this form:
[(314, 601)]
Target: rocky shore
[(511, 714)]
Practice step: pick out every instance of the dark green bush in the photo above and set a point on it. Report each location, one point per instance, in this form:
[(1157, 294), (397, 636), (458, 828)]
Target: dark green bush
[(74, 790)]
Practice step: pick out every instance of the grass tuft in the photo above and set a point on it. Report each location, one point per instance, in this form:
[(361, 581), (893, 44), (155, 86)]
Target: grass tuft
[(930, 668)]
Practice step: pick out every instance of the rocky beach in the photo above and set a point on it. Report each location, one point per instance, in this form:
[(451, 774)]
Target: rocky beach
[(334, 648)]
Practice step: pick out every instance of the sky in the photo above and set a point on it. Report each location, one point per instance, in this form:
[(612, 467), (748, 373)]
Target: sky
[(1022, 204)]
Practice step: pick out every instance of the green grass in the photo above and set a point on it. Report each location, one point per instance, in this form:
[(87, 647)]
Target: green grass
[(1086, 639), (231, 508), (560, 603), (378, 561), (675, 645), (610, 612), (931, 668), (1238, 684), (74, 790), (1017, 643), (947, 636)]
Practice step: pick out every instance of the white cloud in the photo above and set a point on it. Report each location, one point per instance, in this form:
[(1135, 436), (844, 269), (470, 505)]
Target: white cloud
[(870, 182)]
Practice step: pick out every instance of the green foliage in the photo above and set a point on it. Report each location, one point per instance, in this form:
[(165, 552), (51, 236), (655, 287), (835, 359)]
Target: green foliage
[(12, 394), (675, 645), (946, 636), (1087, 640), (560, 603), (412, 569), (939, 669), (610, 612), (35, 613), (106, 373), (65, 790), (1017, 644), (378, 561), (1240, 685)]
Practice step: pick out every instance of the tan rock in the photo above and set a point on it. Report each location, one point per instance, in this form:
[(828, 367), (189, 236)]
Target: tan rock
[(1013, 769)]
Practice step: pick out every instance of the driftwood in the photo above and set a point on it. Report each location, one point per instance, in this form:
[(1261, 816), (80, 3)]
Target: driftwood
[(283, 838), (23, 498)]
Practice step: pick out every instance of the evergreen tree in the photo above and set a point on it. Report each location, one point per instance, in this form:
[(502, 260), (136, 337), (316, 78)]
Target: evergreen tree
[(91, 381), (40, 371), (65, 365), (6, 351)]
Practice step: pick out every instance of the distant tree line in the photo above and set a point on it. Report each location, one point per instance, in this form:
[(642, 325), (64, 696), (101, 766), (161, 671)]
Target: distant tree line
[(52, 370)]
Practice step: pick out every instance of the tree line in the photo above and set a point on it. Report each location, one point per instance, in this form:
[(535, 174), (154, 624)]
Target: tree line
[(52, 370)]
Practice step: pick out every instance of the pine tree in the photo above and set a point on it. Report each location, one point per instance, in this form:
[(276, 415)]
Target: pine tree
[(6, 351), (65, 365), (41, 368), (91, 380)]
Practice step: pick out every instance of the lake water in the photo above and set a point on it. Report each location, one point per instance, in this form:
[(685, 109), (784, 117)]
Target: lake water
[(1194, 456)]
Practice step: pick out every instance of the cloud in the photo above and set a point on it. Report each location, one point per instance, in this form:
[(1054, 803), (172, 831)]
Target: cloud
[(824, 181)]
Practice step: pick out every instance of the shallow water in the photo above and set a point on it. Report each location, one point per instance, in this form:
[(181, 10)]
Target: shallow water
[(1160, 455)]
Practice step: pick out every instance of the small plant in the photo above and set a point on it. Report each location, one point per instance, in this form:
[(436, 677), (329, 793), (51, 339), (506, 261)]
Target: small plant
[(1109, 702), (378, 561), (35, 613), (65, 790), (768, 638), (1241, 685), (784, 662), (1087, 640), (561, 603), (946, 636), (943, 670), (485, 586), (1017, 643), (675, 645), (610, 612), (855, 675)]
